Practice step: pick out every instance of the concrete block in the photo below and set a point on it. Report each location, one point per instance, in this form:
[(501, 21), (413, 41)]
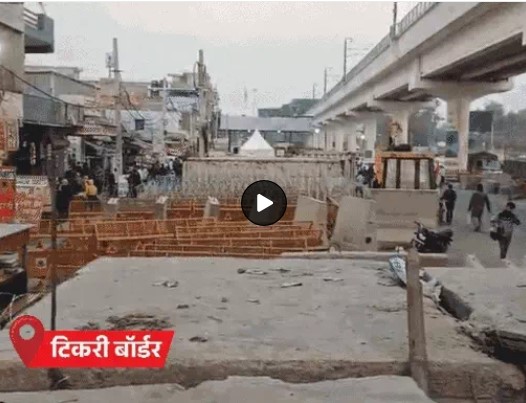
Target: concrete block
[(355, 224), (433, 259), (212, 208), (112, 207), (310, 209), (400, 208), (161, 208)]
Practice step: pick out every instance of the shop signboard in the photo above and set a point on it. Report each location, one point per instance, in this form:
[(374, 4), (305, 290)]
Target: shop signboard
[(37, 186), (7, 194)]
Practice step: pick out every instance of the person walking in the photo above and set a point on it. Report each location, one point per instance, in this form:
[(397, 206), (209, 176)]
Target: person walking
[(506, 220), (63, 199), (112, 183), (91, 194), (479, 199), (449, 197)]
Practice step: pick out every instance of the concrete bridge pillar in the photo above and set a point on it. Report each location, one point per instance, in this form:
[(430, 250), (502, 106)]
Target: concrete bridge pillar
[(458, 117), (401, 118), (400, 113), (459, 96), (340, 135), (369, 136), (352, 135)]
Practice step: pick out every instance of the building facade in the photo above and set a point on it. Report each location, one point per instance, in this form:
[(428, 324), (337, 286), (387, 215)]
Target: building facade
[(277, 131)]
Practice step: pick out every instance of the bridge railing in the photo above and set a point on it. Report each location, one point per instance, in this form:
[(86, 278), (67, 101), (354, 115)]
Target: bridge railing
[(411, 18)]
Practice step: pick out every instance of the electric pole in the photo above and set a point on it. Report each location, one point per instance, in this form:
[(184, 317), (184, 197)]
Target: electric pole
[(314, 91), (118, 140), (162, 139)]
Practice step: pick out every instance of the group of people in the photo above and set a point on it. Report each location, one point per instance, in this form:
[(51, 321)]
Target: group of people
[(140, 174), (365, 177), (502, 224), (75, 183)]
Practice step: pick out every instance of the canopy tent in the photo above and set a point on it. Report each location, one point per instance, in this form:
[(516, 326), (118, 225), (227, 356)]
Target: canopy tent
[(256, 146)]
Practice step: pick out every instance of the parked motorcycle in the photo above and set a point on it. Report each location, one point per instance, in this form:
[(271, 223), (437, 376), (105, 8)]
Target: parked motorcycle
[(429, 241)]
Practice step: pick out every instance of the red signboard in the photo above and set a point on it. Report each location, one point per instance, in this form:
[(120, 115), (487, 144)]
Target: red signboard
[(7, 194)]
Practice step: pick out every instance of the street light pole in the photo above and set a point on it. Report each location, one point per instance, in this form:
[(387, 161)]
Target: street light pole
[(52, 179)]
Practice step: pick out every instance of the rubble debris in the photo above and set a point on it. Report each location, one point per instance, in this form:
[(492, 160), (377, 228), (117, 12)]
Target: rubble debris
[(385, 278), (256, 271), (389, 308), (167, 284), (224, 300), (334, 279), (289, 285), (182, 306), (281, 270), (198, 339), (241, 270), (138, 321), (302, 275), (89, 326), (253, 300), (218, 320)]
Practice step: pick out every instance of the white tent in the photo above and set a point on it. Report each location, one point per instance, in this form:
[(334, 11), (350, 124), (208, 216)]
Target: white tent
[(257, 147)]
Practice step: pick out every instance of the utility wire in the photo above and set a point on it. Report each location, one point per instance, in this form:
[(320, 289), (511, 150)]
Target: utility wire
[(130, 102), (36, 88)]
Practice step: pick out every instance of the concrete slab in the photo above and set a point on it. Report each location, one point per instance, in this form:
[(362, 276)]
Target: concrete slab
[(355, 226), (496, 299), (383, 389), (321, 330)]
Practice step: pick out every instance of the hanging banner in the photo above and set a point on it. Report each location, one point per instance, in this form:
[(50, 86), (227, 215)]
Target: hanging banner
[(7, 194), (37, 186)]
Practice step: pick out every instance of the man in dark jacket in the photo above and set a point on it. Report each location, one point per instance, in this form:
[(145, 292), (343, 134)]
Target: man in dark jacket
[(506, 219), (479, 199), (449, 197)]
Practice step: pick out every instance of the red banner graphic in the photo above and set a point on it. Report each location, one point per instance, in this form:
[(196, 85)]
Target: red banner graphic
[(89, 348)]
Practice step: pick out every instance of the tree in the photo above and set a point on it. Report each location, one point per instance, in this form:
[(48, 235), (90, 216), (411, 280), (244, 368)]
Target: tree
[(422, 126)]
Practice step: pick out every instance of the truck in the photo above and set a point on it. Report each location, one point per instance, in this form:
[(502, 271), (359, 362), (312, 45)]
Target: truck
[(407, 192)]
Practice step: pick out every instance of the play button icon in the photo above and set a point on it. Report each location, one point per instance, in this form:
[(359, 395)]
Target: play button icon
[(264, 203)]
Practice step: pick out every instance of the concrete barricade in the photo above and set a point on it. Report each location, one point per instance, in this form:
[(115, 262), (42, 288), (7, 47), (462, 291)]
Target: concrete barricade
[(309, 209), (212, 208), (355, 226), (398, 209)]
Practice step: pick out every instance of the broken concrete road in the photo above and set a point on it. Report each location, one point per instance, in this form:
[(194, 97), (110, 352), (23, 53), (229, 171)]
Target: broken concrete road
[(384, 389), (493, 301), (317, 331)]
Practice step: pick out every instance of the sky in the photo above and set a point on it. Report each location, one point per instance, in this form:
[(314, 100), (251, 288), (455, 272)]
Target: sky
[(277, 51)]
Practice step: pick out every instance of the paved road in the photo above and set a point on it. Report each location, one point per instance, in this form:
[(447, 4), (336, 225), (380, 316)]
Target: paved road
[(465, 241)]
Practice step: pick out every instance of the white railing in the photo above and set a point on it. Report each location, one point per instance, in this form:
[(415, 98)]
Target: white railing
[(31, 18), (412, 17)]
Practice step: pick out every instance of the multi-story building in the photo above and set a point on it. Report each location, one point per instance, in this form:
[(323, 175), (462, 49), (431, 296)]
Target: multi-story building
[(21, 31)]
